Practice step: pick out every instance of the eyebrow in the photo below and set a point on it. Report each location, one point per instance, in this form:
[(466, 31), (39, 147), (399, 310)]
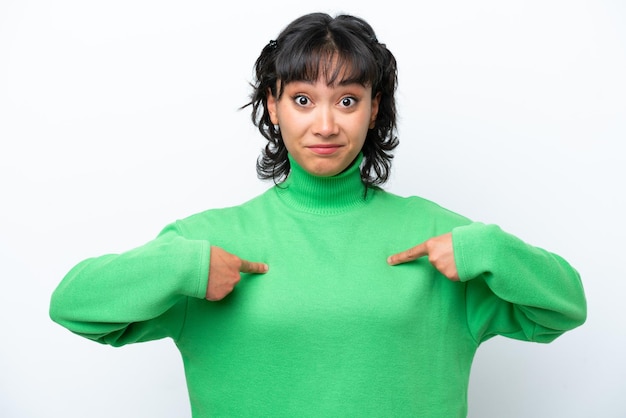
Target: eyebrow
[(342, 83)]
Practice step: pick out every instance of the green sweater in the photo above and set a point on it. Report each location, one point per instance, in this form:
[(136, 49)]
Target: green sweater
[(331, 330)]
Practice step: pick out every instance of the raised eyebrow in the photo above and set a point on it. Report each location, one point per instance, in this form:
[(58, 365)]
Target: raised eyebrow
[(351, 81), (295, 87), (354, 88), (294, 82)]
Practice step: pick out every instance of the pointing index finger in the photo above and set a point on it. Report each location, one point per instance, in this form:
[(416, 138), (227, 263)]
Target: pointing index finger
[(253, 267), (405, 256)]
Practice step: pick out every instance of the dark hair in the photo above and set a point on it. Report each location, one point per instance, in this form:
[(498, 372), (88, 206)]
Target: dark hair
[(307, 46)]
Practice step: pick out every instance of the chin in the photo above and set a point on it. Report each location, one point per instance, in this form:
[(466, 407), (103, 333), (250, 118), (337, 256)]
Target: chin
[(324, 171)]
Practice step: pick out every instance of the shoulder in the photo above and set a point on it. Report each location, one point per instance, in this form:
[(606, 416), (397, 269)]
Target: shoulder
[(212, 219), (420, 207)]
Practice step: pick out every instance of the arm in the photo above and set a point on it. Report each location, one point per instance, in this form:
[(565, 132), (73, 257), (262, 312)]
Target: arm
[(135, 296), (512, 288), (515, 289)]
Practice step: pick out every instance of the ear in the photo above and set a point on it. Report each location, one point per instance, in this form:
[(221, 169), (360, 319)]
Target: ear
[(375, 104), (271, 107)]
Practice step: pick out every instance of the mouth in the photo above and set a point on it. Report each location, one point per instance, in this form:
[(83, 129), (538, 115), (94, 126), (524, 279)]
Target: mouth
[(324, 149)]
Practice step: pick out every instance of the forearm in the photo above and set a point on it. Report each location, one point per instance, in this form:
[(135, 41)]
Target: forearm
[(101, 297)]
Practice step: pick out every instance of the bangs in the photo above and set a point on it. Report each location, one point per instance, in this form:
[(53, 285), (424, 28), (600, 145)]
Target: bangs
[(328, 62)]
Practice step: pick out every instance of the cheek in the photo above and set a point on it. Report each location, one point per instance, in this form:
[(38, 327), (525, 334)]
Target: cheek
[(292, 126), (288, 139), (364, 129)]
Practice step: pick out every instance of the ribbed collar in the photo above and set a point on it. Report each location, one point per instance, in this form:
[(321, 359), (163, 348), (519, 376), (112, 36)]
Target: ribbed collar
[(323, 195)]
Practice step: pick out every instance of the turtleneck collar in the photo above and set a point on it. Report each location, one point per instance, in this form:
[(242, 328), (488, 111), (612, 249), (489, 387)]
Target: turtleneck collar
[(323, 195)]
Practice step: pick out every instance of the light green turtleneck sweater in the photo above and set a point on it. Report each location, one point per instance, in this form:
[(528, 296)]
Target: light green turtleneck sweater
[(331, 330)]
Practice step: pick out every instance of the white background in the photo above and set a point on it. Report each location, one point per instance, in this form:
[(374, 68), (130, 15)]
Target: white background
[(118, 117)]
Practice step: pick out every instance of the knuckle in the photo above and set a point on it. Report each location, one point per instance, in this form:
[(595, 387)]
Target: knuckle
[(214, 297)]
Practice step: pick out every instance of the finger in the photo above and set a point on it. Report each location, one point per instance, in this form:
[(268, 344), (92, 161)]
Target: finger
[(253, 267), (408, 255)]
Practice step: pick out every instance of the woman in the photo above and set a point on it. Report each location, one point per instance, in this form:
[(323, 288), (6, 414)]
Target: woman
[(330, 319)]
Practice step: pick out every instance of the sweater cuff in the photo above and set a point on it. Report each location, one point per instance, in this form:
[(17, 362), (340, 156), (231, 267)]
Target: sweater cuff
[(203, 271), (474, 246)]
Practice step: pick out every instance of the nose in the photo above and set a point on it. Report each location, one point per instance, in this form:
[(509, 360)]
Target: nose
[(325, 124)]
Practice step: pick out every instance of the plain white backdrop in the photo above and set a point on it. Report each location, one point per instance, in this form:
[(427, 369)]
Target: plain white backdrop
[(118, 117)]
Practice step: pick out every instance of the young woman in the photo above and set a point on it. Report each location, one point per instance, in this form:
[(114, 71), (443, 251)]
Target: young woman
[(358, 302)]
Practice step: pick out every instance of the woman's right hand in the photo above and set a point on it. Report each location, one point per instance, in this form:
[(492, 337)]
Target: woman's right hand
[(225, 272)]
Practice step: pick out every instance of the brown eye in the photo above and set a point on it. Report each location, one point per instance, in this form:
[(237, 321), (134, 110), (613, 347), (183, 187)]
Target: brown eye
[(302, 100), (348, 101)]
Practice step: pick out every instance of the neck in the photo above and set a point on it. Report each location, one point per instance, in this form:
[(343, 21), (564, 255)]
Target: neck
[(323, 195)]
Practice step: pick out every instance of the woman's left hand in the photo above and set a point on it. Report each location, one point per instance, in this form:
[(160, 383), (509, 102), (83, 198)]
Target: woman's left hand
[(440, 254)]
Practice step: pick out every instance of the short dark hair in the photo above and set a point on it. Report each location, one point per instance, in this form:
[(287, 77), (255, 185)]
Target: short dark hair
[(299, 54)]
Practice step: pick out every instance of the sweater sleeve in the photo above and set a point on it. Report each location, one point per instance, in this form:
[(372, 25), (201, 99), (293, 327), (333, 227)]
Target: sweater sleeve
[(135, 296), (514, 289)]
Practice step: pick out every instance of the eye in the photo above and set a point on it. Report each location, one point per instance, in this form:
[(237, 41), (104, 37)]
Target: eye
[(301, 100), (348, 101)]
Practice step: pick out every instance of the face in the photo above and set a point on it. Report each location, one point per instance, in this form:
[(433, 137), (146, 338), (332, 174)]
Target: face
[(324, 127)]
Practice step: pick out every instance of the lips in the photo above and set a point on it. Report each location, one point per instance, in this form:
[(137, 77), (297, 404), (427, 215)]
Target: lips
[(324, 149)]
